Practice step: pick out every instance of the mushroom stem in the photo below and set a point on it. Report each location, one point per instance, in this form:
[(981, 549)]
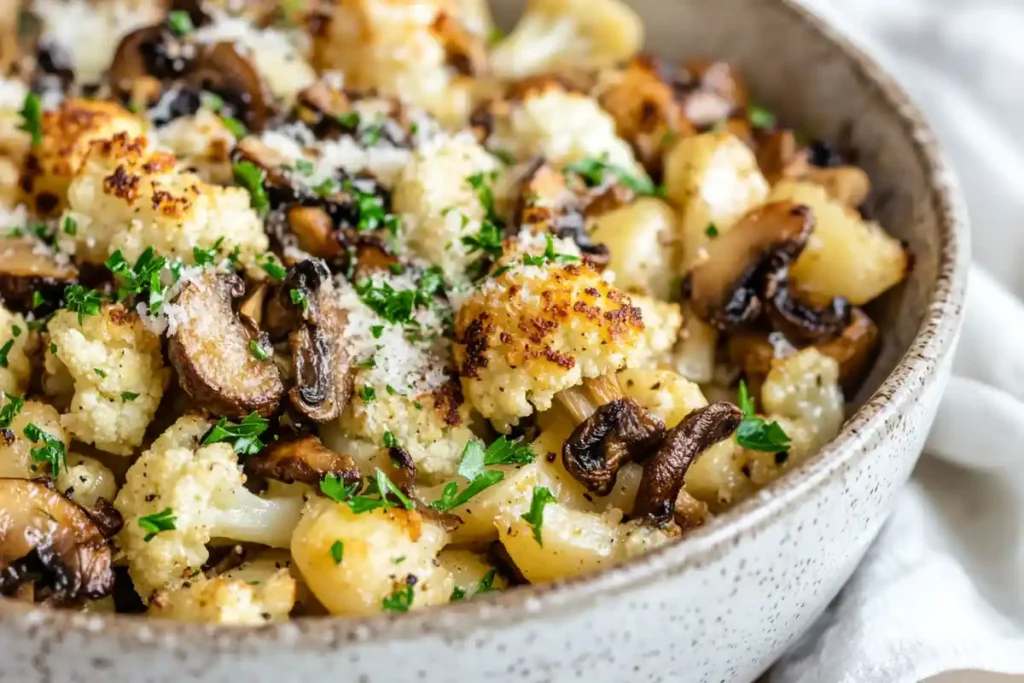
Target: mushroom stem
[(664, 473)]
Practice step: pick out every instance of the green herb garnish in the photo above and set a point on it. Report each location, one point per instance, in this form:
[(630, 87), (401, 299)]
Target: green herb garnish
[(596, 171), (243, 437), (235, 127), (4, 350), (128, 396), (401, 599), (337, 551), (82, 301), (250, 176), (258, 351), (755, 432), (760, 117), (32, 118), (157, 522), (180, 22), (10, 411), (535, 517), (52, 450), (367, 393)]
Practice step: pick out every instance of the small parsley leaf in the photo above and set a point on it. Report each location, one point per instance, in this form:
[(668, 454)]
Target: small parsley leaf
[(535, 517), (157, 522), (243, 437), (755, 432)]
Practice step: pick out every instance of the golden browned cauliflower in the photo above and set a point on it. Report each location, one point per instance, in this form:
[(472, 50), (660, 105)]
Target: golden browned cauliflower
[(535, 330), (129, 197), (68, 133), (118, 372)]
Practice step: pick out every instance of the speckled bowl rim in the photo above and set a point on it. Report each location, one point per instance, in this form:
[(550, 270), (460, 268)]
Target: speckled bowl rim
[(934, 340)]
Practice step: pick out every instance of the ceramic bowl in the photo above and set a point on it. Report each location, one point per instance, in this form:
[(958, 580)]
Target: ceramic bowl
[(720, 605)]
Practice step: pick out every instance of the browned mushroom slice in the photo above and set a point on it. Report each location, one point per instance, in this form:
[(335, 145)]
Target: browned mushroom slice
[(465, 52), (664, 473), (211, 349), (647, 112), (133, 62), (797, 320), (26, 267), (723, 289), (714, 91), (49, 540), (315, 231), (302, 458), (855, 350), (252, 305), (617, 432), (780, 156), (219, 68)]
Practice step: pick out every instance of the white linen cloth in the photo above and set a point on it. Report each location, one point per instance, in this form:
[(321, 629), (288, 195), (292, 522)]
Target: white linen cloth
[(941, 592)]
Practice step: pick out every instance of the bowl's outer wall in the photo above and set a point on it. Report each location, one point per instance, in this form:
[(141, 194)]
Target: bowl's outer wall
[(719, 607)]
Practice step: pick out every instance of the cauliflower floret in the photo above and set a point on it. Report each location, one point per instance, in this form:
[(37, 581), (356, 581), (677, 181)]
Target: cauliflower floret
[(639, 237), (202, 490), (254, 593), (438, 194), (86, 480), (536, 330), (14, 142), (662, 321), (202, 142), (560, 126), (68, 134), (667, 395), (130, 197), (353, 562), (274, 52), (559, 34), (433, 434), (16, 452), (471, 573), (118, 372), (408, 49), (16, 372)]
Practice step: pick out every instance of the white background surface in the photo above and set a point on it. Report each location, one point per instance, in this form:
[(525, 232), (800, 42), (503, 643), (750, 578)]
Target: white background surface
[(943, 588)]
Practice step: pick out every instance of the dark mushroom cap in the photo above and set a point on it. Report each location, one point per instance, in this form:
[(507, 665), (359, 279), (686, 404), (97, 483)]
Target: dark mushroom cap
[(854, 349), (725, 289), (221, 69), (25, 269), (210, 351), (797, 320), (48, 539), (617, 432), (328, 113), (664, 472), (301, 458)]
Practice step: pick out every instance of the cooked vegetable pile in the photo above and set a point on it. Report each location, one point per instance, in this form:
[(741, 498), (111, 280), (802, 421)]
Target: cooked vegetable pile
[(359, 306)]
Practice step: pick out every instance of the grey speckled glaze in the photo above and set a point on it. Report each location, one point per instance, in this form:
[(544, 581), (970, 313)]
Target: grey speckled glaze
[(723, 603)]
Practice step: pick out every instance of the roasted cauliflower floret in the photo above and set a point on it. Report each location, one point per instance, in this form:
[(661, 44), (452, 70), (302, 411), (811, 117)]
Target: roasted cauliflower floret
[(68, 134), (561, 126), (412, 49), (712, 179), (358, 564), (20, 343), (118, 372), (433, 433), (16, 452), (438, 194), (471, 574), (640, 238), (559, 34), (846, 255), (85, 480), (203, 142), (662, 322), (536, 330), (130, 197), (254, 593), (196, 493)]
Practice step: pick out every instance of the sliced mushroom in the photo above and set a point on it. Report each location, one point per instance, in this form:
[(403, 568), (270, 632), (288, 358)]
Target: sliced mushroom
[(210, 349), (781, 156), (302, 458), (150, 52), (315, 231), (712, 91), (49, 540), (797, 320), (647, 112), (617, 432), (664, 473), (724, 290), (252, 305), (465, 51), (221, 69), (27, 267), (331, 113)]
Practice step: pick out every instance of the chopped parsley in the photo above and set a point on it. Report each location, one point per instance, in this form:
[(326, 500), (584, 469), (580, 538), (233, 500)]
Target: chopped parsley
[(10, 411), (128, 396), (535, 517), (372, 132), (471, 466), (206, 257), (145, 277), (755, 432), (16, 331), (337, 551), (335, 488), (372, 214), (4, 350), (272, 268), (157, 522), (250, 176), (38, 299), (367, 364), (389, 440), (401, 599), (549, 255), (377, 331), (304, 166), (395, 306), (377, 493), (82, 301), (258, 351), (349, 119), (596, 171), (243, 437), (457, 594), (488, 240), (503, 155), (32, 118), (298, 298), (711, 231), (52, 450), (70, 226), (367, 393), (235, 127), (396, 268), (760, 117), (211, 100), (180, 22), (390, 389), (99, 372)]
